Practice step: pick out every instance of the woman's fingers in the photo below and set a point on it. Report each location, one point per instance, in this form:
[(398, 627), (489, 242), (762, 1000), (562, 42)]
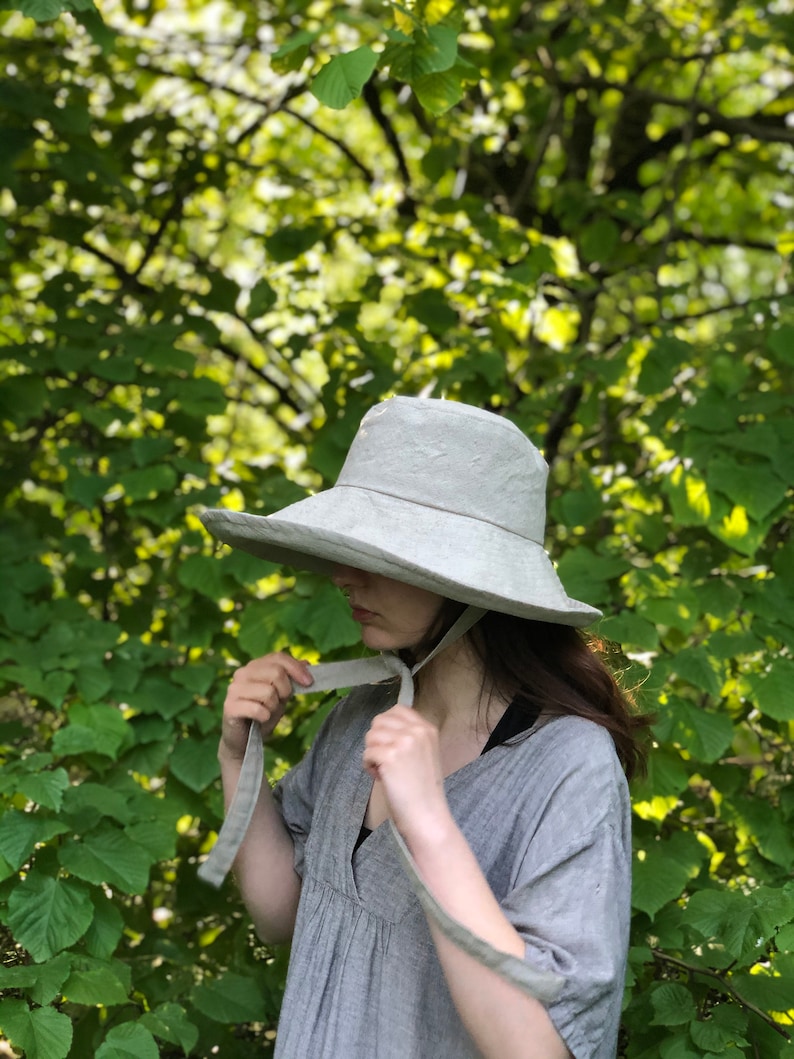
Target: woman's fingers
[(258, 692)]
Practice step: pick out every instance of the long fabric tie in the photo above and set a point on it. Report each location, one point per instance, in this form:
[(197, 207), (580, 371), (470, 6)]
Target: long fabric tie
[(329, 676)]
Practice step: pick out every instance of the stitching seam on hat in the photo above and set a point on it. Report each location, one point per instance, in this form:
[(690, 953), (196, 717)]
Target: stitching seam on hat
[(433, 507)]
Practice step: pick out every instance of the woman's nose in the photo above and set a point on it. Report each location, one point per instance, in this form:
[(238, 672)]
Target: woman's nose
[(346, 576)]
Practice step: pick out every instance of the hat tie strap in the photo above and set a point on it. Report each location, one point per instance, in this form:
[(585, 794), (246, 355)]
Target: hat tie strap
[(328, 676)]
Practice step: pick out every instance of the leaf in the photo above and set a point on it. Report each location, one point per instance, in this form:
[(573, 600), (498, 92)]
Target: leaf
[(21, 832), (756, 489), (713, 1037), (156, 836), (675, 1047), (661, 363), (45, 788), (781, 341), (290, 56), (107, 855), (93, 682), (230, 998), (94, 728), (42, 10), (707, 910), (97, 982), (170, 1022), (663, 869), (724, 1028), (693, 665), (89, 801), (426, 53), (222, 295), (772, 691), (148, 481), (324, 620), (262, 299), (288, 243), (655, 882), (705, 734), (431, 308), (341, 80), (767, 991), (673, 1004), (159, 696), (258, 627), (149, 450), (630, 630), (585, 573), (48, 915), (439, 92), (195, 762), (203, 574), (680, 611), (42, 1033), (768, 831), (598, 243), (130, 1040), (41, 981), (106, 929)]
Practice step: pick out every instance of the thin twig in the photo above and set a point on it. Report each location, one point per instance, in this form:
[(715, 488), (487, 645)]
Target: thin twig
[(339, 144), (692, 968)]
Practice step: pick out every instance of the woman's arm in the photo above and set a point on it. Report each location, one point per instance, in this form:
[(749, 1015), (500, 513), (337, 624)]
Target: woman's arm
[(504, 1022), (264, 866)]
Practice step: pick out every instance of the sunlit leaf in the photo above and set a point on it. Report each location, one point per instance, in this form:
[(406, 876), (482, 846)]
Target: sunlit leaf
[(341, 80)]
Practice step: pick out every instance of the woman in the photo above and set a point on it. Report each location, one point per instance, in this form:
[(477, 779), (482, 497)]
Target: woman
[(490, 916)]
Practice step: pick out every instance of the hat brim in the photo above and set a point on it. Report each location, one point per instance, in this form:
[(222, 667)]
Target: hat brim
[(419, 545)]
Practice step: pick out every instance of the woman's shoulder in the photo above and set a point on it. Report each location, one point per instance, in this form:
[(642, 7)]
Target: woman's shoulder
[(573, 754), (574, 735)]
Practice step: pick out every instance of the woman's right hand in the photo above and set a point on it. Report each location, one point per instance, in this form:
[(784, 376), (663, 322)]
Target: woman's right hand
[(258, 692)]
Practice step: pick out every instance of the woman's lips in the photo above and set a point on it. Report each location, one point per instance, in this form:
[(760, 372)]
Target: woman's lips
[(360, 614)]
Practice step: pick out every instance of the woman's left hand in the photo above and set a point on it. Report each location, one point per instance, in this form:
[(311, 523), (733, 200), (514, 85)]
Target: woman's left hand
[(401, 750)]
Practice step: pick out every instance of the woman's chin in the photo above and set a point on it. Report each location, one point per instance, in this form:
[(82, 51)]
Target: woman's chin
[(380, 640)]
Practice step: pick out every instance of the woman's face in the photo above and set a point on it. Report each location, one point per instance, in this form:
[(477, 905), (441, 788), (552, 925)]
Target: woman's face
[(392, 615)]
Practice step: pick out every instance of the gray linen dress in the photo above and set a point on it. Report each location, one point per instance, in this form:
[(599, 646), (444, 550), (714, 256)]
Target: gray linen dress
[(548, 818)]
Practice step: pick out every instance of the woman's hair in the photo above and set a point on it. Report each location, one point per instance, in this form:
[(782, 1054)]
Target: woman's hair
[(554, 669)]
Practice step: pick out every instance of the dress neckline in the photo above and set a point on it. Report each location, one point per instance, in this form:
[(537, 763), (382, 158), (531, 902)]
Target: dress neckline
[(519, 717)]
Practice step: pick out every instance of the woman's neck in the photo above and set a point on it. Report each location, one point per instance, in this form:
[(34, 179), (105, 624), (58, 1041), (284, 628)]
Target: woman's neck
[(453, 692)]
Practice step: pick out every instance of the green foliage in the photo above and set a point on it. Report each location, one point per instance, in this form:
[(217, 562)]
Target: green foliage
[(572, 213)]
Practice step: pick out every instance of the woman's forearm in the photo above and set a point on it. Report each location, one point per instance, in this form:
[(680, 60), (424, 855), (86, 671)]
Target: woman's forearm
[(264, 866), (503, 1021)]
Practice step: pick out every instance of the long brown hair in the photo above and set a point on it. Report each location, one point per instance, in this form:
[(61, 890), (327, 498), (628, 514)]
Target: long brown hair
[(554, 669)]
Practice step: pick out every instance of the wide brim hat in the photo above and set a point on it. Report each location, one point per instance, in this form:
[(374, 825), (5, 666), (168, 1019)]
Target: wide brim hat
[(433, 493)]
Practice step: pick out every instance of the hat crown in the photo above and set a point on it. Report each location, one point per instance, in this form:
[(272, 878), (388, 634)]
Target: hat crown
[(451, 457)]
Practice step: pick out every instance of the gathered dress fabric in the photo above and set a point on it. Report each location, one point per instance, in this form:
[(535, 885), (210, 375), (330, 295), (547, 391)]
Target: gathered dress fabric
[(547, 816)]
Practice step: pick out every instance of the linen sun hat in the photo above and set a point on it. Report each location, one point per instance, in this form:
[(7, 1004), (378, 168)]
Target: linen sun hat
[(433, 493)]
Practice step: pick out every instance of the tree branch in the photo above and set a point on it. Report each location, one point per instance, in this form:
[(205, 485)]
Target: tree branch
[(127, 279), (143, 289), (372, 99), (561, 420), (368, 174), (730, 308), (527, 182), (173, 213), (692, 968), (759, 126), (720, 240)]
